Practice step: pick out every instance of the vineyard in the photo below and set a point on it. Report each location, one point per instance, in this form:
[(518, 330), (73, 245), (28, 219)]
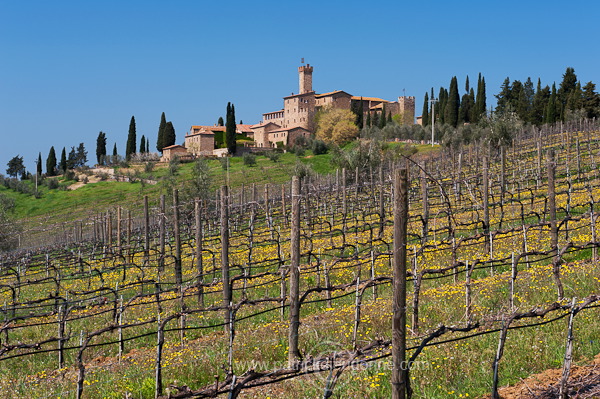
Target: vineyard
[(289, 291)]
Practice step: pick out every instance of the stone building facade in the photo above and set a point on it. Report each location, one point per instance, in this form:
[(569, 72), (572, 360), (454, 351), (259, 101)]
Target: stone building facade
[(299, 110), (296, 119), (172, 151)]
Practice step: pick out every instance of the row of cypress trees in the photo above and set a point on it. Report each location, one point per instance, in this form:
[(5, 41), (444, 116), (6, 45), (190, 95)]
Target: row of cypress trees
[(451, 109), (539, 105)]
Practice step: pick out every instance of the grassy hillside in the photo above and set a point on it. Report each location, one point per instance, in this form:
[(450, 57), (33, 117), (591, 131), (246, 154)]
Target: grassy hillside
[(472, 281), (57, 206)]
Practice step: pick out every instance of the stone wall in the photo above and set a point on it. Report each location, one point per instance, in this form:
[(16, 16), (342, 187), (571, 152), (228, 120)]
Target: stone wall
[(299, 110), (200, 144)]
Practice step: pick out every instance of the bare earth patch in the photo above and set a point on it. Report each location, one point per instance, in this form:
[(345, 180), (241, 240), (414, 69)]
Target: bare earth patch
[(584, 383)]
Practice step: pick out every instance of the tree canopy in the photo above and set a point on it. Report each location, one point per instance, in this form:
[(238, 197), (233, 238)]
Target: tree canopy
[(51, 162), (230, 128), (160, 142), (77, 157), (169, 134), (15, 166), (131, 139), (101, 148), (336, 126)]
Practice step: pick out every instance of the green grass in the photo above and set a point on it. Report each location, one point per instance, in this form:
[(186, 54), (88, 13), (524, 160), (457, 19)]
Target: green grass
[(98, 197)]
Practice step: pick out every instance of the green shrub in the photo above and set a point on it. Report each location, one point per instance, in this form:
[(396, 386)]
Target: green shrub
[(273, 155), (249, 159), (319, 147)]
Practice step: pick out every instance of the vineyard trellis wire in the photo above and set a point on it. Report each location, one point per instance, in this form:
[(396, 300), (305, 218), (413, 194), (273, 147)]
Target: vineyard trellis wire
[(153, 274)]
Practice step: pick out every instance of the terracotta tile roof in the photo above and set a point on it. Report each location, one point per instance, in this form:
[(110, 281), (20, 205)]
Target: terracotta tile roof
[(369, 99), (201, 129), (263, 125), (244, 128), (300, 95), (171, 147), (331, 93), (288, 129), (273, 112)]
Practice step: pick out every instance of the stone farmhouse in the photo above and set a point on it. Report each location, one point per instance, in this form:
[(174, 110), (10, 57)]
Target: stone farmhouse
[(281, 128)]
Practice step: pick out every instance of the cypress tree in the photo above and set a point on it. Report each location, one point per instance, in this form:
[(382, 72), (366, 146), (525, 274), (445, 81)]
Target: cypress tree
[(230, 129), (540, 102), (551, 108), (382, 118), (169, 134), (63, 161), (115, 150), (425, 113), (101, 148), (360, 121), (148, 146), (369, 121), (375, 119), (591, 100), (160, 142), (39, 165), (356, 108), (131, 139), (51, 162), (220, 122), (389, 118), (453, 104), (464, 112), (143, 144), (480, 100), (472, 111), (441, 108)]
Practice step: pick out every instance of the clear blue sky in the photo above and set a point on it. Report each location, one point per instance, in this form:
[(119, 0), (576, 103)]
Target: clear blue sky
[(69, 69)]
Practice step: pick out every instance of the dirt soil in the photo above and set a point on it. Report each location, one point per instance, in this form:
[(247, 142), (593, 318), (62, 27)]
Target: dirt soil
[(93, 177), (584, 383)]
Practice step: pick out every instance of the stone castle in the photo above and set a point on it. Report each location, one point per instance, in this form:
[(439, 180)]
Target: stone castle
[(296, 119), (298, 113)]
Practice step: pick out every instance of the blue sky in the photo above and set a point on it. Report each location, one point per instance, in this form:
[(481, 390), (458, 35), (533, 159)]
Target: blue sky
[(69, 69)]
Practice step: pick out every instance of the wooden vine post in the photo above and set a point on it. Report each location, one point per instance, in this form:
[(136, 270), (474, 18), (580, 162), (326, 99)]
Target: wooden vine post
[(162, 227), (199, 265), (424, 204), (399, 366), (344, 204), (176, 232), (294, 352), (486, 208), (563, 392), (109, 231), (225, 253), (146, 229), (553, 224), (119, 227), (129, 227), (502, 173), (381, 202)]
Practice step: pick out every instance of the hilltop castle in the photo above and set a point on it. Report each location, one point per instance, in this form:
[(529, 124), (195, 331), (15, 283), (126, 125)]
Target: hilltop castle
[(296, 119), (298, 113)]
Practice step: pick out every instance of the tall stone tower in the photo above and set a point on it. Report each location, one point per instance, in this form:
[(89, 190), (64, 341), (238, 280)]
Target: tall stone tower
[(305, 75), (407, 108)]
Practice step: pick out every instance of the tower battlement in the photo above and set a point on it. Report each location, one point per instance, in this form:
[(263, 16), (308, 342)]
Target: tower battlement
[(305, 77)]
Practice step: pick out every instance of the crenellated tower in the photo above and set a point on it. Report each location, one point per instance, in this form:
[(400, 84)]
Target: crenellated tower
[(305, 75)]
